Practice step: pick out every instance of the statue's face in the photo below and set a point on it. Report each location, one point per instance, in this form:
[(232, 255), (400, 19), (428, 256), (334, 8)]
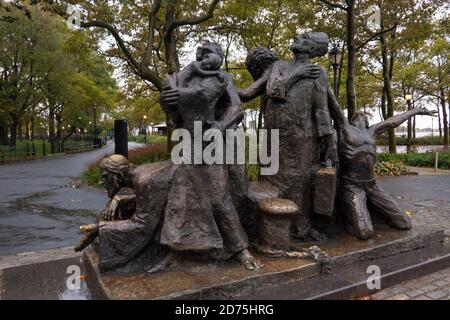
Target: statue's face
[(302, 45), (314, 44), (111, 181), (210, 60), (361, 122)]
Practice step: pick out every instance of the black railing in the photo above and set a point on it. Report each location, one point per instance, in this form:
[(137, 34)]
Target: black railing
[(41, 148)]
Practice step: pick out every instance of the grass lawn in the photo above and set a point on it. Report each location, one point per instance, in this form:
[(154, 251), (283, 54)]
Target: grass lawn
[(35, 148)]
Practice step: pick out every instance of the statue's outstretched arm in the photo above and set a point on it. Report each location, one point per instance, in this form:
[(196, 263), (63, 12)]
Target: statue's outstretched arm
[(395, 121), (256, 89), (335, 110)]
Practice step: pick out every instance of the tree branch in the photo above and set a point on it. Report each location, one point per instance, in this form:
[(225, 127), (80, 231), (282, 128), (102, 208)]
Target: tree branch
[(195, 20), (334, 5), (146, 60), (375, 36), (117, 37), (146, 75)]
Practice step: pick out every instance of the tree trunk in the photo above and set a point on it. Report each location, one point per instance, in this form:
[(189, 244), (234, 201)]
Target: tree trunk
[(13, 132), (27, 130), (58, 128), (3, 133), (19, 131), (32, 129), (383, 104), (351, 59), (173, 65), (409, 133), (340, 70), (51, 129), (439, 119), (444, 116), (387, 65)]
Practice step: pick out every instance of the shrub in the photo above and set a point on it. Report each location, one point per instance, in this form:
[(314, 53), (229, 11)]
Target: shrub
[(147, 154), (389, 168), (253, 172), (151, 139), (419, 159)]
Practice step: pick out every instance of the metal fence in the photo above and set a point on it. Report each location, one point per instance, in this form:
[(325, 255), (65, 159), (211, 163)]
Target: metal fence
[(41, 148)]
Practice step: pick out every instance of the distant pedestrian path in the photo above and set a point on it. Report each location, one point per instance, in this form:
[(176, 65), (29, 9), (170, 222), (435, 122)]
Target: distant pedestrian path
[(42, 202)]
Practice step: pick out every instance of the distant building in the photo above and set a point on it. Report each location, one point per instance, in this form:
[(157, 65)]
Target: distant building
[(160, 129)]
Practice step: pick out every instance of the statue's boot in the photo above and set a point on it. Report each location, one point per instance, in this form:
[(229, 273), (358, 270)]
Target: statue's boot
[(381, 203)]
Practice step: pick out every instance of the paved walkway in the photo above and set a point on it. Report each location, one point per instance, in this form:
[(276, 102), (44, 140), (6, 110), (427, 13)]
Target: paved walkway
[(42, 201), (427, 197), (26, 258), (434, 286)]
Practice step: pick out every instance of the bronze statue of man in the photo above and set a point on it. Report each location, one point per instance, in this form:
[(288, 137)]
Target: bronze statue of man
[(360, 193), (295, 102)]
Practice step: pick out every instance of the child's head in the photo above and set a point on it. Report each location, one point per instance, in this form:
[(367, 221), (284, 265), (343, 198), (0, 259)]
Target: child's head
[(259, 60), (210, 55)]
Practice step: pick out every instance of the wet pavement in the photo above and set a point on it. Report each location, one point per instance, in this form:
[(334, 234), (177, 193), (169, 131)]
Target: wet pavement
[(426, 197), (42, 201)]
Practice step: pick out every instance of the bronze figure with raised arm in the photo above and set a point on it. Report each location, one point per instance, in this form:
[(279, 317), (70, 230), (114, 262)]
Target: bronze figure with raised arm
[(360, 193)]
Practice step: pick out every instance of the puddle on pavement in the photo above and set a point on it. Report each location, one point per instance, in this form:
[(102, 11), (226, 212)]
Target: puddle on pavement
[(47, 219), (61, 279)]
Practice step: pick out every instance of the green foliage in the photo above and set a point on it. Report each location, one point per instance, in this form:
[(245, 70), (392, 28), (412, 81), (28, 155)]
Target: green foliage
[(392, 167), (49, 72), (253, 171), (147, 154), (151, 139), (418, 159), (92, 175)]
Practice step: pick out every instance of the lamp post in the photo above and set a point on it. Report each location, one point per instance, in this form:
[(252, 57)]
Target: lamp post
[(335, 56), (96, 142), (145, 129), (408, 98)]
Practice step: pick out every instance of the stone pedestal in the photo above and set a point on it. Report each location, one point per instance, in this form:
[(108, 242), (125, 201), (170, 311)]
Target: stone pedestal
[(391, 249), (275, 222)]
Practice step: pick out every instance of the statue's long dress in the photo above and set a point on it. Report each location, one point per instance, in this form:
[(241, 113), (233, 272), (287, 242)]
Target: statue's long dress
[(300, 112), (200, 215)]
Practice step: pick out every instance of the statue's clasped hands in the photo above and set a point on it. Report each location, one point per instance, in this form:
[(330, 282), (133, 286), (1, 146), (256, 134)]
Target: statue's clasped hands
[(169, 100), (309, 71)]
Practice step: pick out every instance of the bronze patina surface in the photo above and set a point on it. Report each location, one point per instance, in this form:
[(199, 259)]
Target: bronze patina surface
[(199, 280)]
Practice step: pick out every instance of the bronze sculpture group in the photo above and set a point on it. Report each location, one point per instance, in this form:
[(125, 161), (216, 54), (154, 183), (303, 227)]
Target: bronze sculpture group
[(163, 212)]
